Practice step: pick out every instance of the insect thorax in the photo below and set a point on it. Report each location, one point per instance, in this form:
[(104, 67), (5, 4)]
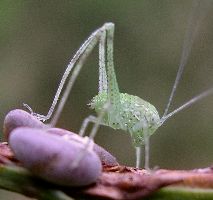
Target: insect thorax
[(134, 115)]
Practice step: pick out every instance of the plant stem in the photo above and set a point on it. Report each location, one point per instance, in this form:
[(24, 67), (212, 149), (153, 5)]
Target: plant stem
[(18, 179), (177, 193)]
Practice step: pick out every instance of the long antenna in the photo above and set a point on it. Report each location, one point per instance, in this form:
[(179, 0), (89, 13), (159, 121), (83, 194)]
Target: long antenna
[(187, 104), (194, 21)]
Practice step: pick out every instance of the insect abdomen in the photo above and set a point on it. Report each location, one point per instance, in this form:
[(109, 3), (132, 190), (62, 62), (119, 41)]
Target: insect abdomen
[(140, 116), (133, 115)]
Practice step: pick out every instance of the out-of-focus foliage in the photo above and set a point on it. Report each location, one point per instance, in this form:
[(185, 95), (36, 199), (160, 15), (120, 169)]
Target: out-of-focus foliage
[(10, 195), (38, 38)]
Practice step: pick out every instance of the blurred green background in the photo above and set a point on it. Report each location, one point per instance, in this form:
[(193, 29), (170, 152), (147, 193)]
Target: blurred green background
[(38, 38)]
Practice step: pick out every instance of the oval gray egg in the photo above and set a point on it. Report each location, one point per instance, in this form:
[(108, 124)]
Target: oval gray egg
[(50, 157), (20, 118), (105, 157)]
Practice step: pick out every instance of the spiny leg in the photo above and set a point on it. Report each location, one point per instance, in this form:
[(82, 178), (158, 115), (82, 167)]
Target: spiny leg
[(102, 81), (146, 155), (106, 38), (69, 68), (97, 122), (114, 96), (102, 85), (113, 89), (85, 123), (77, 62), (146, 150), (107, 32), (138, 156), (97, 36)]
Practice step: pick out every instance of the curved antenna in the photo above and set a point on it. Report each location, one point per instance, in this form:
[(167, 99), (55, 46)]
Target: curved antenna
[(187, 104), (194, 21)]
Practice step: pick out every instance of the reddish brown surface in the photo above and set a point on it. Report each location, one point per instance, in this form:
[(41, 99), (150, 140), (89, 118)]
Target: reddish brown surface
[(129, 183), (120, 182), (6, 155)]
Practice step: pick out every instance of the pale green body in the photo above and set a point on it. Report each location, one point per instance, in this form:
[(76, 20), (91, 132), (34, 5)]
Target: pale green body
[(133, 114), (127, 112)]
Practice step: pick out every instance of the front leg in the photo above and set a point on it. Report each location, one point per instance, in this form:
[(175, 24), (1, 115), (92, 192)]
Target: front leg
[(97, 122)]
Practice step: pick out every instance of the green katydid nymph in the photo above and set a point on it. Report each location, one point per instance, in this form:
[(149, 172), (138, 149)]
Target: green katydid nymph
[(115, 109)]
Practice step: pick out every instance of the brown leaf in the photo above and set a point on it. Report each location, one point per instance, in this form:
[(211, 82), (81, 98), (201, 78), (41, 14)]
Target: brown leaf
[(6, 155), (128, 183)]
